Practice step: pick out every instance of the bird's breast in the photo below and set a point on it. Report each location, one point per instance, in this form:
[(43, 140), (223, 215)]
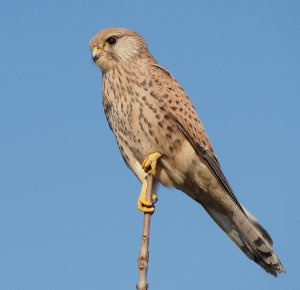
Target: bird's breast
[(136, 113)]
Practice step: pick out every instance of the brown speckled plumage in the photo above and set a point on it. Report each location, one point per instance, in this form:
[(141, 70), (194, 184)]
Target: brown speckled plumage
[(149, 112)]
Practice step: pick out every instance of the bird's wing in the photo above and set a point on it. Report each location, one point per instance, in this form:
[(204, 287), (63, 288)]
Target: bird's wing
[(182, 111), (241, 227)]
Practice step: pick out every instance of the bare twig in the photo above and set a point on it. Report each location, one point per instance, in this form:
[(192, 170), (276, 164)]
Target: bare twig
[(144, 253)]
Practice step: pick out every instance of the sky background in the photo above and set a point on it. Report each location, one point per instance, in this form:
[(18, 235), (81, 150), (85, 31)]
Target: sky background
[(68, 217)]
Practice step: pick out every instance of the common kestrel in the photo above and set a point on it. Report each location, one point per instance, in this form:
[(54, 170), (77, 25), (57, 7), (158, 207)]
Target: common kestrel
[(157, 128)]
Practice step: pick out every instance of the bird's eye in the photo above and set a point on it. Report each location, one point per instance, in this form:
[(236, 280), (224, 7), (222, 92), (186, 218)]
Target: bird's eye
[(111, 40)]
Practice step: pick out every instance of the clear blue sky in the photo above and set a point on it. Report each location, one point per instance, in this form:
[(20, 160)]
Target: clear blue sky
[(68, 218)]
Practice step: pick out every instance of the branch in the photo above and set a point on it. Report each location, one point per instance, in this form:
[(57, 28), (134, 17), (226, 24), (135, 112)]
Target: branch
[(144, 253)]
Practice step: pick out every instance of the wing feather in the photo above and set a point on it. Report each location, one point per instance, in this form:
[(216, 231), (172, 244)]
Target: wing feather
[(190, 125)]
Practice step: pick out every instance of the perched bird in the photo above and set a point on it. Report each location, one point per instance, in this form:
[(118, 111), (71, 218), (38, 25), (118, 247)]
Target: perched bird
[(158, 129)]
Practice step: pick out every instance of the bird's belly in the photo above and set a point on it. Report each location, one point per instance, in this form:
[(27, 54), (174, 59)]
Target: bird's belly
[(142, 132), (189, 172), (185, 170), (145, 136)]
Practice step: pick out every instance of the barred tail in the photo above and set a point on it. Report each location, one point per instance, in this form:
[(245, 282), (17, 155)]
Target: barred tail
[(245, 231)]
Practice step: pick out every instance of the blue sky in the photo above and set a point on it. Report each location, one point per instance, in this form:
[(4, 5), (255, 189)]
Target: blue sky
[(68, 217)]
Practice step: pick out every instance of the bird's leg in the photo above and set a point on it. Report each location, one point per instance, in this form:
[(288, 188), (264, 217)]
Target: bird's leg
[(144, 204), (150, 162)]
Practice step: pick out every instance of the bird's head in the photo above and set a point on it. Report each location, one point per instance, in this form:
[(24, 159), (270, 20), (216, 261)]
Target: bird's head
[(113, 45)]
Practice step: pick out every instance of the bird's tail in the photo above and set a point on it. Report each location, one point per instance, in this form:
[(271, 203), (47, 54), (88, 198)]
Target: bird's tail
[(246, 232)]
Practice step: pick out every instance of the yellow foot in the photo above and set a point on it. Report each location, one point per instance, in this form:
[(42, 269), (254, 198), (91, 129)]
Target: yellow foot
[(150, 162), (143, 204)]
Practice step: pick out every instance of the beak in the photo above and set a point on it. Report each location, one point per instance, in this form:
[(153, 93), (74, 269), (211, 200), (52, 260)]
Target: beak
[(96, 53)]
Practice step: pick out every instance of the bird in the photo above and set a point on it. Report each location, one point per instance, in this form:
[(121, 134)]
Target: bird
[(158, 130)]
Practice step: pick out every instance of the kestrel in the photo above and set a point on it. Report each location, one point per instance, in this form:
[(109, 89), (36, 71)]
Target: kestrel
[(157, 128)]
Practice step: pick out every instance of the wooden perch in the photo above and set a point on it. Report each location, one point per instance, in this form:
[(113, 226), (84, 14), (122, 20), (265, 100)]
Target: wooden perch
[(144, 252)]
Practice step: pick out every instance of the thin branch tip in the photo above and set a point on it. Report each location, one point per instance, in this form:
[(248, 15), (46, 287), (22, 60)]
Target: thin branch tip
[(144, 252)]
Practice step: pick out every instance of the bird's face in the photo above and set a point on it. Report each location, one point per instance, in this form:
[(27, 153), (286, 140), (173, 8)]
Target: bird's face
[(112, 46)]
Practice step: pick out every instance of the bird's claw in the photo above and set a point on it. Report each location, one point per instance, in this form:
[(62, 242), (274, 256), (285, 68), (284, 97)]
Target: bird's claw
[(150, 163), (144, 204)]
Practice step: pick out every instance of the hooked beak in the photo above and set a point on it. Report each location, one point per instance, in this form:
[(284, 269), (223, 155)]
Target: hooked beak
[(96, 53)]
